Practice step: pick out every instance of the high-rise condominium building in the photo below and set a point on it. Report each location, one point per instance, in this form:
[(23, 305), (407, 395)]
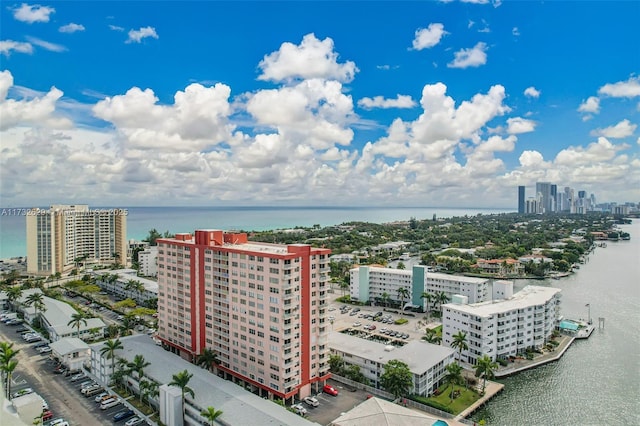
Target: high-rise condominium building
[(260, 307), (521, 199), (544, 188), (61, 236)]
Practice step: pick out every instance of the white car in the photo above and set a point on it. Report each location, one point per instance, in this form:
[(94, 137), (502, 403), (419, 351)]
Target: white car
[(299, 409), (133, 421), (357, 324), (312, 401), (21, 392)]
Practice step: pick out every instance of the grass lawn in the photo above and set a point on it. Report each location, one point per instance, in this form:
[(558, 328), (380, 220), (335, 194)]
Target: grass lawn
[(459, 404)]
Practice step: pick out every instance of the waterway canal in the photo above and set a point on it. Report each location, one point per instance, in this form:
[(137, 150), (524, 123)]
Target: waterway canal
[(597, 381)]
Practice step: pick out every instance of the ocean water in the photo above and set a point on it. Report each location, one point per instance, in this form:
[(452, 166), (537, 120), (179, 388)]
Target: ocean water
[(186, 219)]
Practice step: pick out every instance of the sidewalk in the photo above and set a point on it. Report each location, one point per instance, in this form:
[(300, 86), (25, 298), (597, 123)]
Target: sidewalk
[(524, 364)]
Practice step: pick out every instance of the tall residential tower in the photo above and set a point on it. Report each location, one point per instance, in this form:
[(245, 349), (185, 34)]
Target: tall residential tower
[(59, 236), (261, 307)]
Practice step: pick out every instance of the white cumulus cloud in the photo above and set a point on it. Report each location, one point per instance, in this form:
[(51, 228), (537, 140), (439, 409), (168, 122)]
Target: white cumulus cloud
[(401, 101), (532, 92), (312, 58), (32, 13), (426, 38), (622, 89), (472, 57), (71, 28), (6, 46), (136, 36), (621, 130), (518, 125), (591, 105)]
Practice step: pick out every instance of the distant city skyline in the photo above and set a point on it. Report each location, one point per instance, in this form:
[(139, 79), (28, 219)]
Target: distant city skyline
[(316, 103)]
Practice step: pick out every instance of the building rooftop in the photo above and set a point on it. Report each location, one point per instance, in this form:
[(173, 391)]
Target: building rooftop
[(531, 295), (131, 274), (417, 354), (378, 412), (68, 345), (240, 407)]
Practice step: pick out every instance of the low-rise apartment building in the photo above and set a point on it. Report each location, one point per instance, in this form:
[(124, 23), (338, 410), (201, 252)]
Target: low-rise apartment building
[(261, 307), (505, 326), (126, 284), (426, 361), (372, 283)]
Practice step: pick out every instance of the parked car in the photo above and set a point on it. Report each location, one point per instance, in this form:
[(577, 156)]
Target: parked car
[(330, 390), (357, 324), (47, 415), (312, 401), (22, 330), (77, 377), (133, 421), (92, 390), (123, 415), (299, 409), (21, 392), (41, 345), (104, 396), (108, 403)]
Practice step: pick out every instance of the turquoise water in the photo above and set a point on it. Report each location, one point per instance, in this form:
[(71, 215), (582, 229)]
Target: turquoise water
[(186, 219)]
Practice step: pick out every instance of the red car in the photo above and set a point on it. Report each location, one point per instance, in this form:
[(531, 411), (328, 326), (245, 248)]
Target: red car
[(330, 390), (47, 415)]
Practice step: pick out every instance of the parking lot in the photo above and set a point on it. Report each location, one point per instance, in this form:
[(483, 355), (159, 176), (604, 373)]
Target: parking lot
[(35, 373), (331, 407)]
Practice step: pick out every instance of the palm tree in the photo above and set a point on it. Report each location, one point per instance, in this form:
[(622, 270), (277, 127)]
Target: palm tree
[(37, 300), (429, 297), (181, 380), (453, 376), (110, 347), (138, 365), (460, 343), (207, 359), (403, 292), (441, 298), (149, 389), (77, 320), (7, 364), (211, 414), (434, 335), (13, 294), (385, 298), (485, 368)]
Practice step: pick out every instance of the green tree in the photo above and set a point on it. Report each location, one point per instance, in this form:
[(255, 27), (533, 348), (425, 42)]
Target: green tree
[(401, 265), (207, 359), (485, 368), (429, 297), (336, 364), (13, 294), (181, 380), (137, 366), (385, 299), (460, 343), (149, 389), (211, 414), (453, 377), (403, 293), (77, 319), (7, 364), (397, 378), (109, 349), (442, 299), (152, 237), (433, 335), (37, 300)]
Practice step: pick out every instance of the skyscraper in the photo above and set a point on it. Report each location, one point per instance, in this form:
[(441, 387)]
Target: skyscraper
[(544, 189), (521, 199), (57, 237), (260, 307)]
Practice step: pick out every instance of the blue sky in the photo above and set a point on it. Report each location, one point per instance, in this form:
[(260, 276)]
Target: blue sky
[(304, 103)]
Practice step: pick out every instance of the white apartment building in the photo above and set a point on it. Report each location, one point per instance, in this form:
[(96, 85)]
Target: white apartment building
[(148, 261), (426, 361), (61, 235), (370, 283), (126, 284), (505, 326), (261, 307)]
